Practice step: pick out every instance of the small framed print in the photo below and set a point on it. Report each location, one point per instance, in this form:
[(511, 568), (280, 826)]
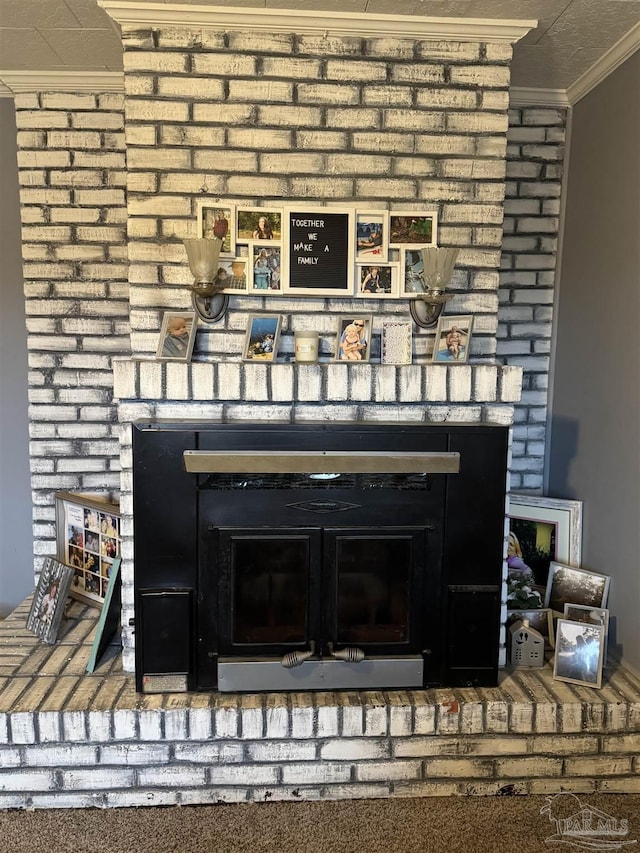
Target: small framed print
[(218, 221), (412, 228), (49, 599), (232, 275), (452, 339), (265, 268), (261, 340), (579, 653), (378, 281), (397, 338), (567, 585), (177, 336), (540, 618), (354, 338), (372, 235), (259, 224)]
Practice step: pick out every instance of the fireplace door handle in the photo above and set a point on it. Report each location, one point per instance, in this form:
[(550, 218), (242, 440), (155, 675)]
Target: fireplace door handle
[(292, 659), (350, 654)]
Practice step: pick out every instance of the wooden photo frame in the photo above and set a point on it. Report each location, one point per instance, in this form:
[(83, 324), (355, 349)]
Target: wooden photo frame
[(217, 220), (177, 336), (88, 540), (541, 530), (261, 339), (49, 600), (569, 585), (453, 337), (413, 228), (579, 653), (258, 224), (319, 256), (372, 236), (353, 342)]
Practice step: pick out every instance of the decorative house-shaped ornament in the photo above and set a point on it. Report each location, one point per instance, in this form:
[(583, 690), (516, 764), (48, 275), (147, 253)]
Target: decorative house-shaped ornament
[(526, 645)]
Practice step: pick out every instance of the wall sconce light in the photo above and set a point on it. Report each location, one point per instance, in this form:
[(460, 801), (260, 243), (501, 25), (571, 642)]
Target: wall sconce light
[(437, 265), (209, 303)]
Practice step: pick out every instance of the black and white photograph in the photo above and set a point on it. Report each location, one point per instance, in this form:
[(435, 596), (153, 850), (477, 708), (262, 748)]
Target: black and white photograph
[(49, 599), (566, 585), (579, 653)]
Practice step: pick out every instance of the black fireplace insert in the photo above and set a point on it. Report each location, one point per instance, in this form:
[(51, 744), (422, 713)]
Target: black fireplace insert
[(278, 556)]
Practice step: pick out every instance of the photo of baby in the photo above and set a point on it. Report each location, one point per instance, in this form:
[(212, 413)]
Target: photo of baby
[(353, 338)]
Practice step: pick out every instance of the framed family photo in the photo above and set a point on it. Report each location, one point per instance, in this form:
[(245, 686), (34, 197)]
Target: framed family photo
[(88, 540), (412, 228), (261, 340), (568, 585), (259, 224), (541, 530), (265, 268), (579, 653), (372, 235), (218, 221), (379, 281), (49, 600), (177, 336), (453, 336), (231, 276), (354, 338)]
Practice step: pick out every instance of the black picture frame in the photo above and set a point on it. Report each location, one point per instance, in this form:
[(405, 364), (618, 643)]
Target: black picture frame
[(320, 251)]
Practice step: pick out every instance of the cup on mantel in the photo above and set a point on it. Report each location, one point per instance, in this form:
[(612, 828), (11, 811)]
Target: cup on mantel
[(306, 346)]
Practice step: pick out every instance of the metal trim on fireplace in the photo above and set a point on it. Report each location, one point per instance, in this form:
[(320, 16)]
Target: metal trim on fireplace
[(319, 462)]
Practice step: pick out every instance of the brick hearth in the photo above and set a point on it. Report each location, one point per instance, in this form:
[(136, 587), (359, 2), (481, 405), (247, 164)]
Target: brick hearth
[(69, 739)]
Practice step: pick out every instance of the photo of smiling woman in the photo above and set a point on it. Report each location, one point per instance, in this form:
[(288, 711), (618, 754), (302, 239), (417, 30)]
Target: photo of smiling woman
[(354, 338)]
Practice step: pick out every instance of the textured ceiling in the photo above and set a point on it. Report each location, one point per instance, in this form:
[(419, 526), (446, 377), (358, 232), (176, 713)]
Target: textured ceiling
[(572, 35)]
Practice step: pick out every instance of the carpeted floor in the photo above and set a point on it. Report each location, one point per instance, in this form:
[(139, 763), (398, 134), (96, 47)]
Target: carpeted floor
[(429, 825)]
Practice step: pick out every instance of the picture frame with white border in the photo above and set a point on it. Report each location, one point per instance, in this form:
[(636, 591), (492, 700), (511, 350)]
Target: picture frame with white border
[(211, 214), (396, 342), (353, 338), (377, 280), (177, 336), (265, 268), (261, 339), (453, 339), (318, 251), (251, 230), (571, 585), (372, 236), (413, 229), (590, 615)]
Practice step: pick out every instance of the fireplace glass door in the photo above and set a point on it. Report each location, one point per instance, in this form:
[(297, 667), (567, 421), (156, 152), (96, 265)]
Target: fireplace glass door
[(282, 590)]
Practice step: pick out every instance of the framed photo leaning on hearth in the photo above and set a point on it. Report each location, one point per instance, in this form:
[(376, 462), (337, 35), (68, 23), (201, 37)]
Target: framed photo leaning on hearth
[(261, 339), (567, 585), (49, 599), (177, 336), (541, 530), (88, 540), (579, 653)]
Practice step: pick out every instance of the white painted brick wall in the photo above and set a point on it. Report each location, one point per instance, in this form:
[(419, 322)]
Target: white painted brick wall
[(535, 137)]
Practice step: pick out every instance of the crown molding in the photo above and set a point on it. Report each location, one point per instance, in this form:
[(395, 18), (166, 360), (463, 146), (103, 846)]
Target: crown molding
[(61, 81), (519, 96), (608, 63), (308, 22)]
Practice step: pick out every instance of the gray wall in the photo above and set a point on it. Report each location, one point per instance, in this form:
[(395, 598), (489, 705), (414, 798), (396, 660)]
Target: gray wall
[(16, 548), (595, 432)]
